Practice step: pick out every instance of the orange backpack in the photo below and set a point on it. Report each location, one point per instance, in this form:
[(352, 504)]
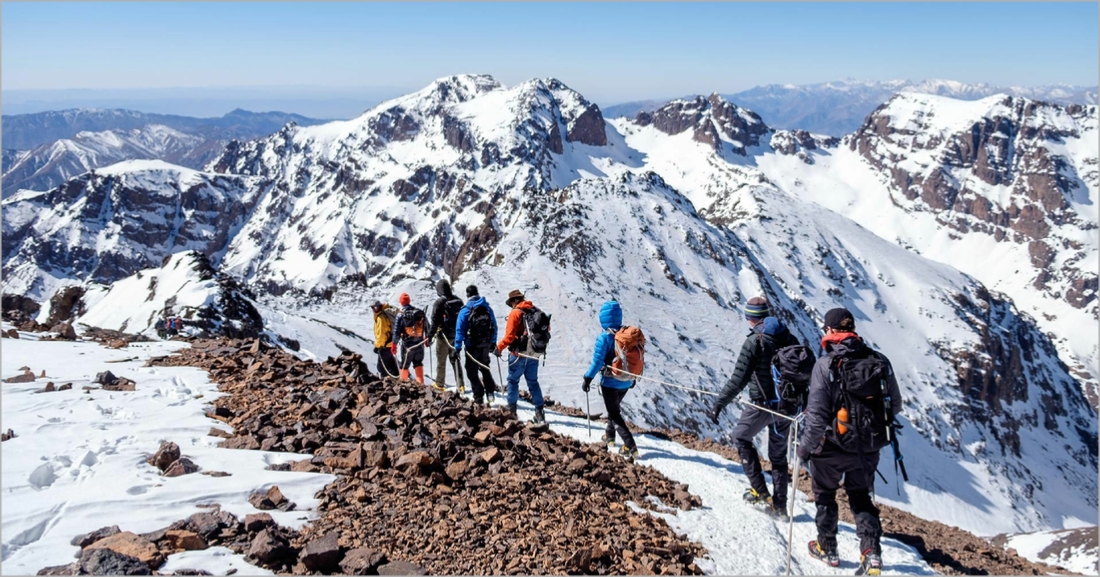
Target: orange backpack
[(629, 355)]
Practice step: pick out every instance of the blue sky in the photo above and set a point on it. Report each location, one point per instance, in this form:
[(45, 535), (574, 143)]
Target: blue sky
[(610, 52)]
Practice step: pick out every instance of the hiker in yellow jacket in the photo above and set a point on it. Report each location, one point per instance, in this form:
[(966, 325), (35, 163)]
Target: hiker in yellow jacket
[(384, 346)]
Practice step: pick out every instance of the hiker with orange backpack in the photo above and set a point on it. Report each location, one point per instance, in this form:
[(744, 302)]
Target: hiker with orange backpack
[(410, 331), (618, 357), (526, 335)]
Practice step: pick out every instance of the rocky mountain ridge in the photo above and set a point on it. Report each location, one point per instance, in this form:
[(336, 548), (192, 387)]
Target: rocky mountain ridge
[(679, 217)]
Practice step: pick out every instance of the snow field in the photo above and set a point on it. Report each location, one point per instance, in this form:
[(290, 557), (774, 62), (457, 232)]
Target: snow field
[(78, 461)]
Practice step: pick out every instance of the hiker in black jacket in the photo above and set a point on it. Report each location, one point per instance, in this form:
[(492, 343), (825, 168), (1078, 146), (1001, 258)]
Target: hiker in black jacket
[(837, 445), (444, 317), (766, 336)]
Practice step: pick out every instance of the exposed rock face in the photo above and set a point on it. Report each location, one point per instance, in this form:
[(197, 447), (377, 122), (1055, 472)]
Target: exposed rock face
[(116, 206), (1015, 144), (799, 143), (712, 120)]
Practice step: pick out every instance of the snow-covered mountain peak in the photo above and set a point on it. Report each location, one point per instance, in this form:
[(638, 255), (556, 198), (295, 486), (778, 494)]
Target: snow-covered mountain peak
[(713, 120)]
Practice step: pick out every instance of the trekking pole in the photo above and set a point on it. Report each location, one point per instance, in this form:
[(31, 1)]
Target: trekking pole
[(588, 408), (793, 442)]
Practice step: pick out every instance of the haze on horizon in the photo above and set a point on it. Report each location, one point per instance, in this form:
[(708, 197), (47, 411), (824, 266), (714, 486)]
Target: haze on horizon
[(335, 60)]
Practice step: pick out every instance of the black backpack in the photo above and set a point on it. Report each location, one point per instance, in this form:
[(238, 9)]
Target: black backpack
[(792, 367), (479, 328), (537, 326), (451, 308), (412, 324), (860, 379)]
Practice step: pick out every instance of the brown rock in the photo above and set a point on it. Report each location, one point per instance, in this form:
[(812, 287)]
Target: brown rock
[(132, 545), (65, 387), (167, 454), (401, 568), (86, 539), (269, 547), (256, 522), (14, 334), (362, 561), (490, 455), (26, 377), (182, 466), (186, 540), (322, 554), (418, 458), (456, 470), (7, 436)]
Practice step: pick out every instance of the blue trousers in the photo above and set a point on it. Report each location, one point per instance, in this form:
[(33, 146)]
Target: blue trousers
[(529, 370)]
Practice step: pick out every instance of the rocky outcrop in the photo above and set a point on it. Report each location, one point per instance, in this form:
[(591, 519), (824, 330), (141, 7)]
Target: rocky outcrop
[(411, 461), (194, 211), (1014, 144), (711, 119)]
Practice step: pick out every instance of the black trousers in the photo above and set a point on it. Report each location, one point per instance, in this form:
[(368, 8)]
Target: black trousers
[(411, 355), (826, 471), (481, 378), (387, 365), (613, 400), (750, 424)]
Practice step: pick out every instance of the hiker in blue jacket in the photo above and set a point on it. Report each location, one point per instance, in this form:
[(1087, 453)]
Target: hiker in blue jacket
[(612, 389), (476, 328)]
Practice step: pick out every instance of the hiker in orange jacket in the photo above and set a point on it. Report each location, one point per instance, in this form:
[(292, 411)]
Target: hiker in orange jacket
[(516, 340)]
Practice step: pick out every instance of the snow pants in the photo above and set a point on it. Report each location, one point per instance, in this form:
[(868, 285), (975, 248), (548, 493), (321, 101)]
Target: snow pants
[(613, 400), (481, 378), (443, 351), (750, 424), (826, 470), (387, 364)]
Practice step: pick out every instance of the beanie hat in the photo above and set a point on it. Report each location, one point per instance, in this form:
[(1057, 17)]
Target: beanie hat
[(404, 299), (376, 306), (756, 309), (471, 291), (840, 319), (514, 297)]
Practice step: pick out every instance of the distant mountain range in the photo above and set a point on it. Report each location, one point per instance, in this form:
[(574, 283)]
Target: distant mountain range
[(26, 131), (838, 108), (44, 149)]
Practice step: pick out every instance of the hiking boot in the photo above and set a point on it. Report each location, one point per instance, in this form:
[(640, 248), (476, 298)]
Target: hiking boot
[(479, 401), (778, 511), (540, 417), (628, 453), (870, 563), (754, 498), (511, 411), (609, 441), (439, 387), (828, 556), (462, 389)]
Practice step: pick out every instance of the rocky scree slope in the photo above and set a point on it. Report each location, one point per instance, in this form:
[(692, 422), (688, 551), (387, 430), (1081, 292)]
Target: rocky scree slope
[(421, 473)]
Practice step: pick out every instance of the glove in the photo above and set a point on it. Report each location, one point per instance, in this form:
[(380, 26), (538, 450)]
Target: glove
[(377, 350), (456, 355), (713, 415), (393, 348), (496, 352), (587, 384), (429, 342), (803, 451)]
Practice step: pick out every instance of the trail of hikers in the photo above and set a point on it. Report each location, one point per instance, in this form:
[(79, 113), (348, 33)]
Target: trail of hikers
[(841, 406)]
